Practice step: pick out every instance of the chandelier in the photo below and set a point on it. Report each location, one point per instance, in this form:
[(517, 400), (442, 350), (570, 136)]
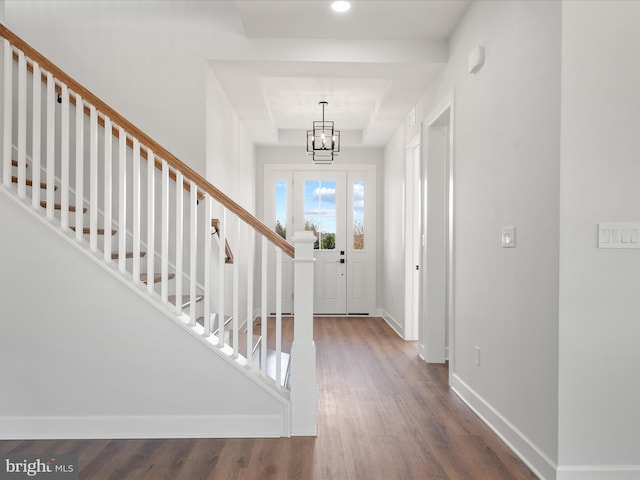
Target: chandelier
[(323, 142)]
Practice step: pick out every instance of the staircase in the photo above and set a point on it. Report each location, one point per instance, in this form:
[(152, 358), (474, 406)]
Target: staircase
[(118, 196)]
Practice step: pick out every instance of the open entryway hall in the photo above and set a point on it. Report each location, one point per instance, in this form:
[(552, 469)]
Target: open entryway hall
[(382, 414)]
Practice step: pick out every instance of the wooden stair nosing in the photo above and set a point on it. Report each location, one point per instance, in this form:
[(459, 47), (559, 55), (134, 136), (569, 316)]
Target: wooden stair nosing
[(156, 278), (57, 206), (100, 231), (116, 255), (14, 163), (29, 183)]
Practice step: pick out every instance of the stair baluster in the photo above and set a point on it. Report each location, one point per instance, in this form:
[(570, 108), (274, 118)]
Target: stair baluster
[(94, 174), (79, 185), (136, 211), (179, 240), (164, 268), (108, 190), (193, 247), (249, 320), (35, 139), (264, 307), (22, 124), (7, 107), (222, 229), (122, 198), (207, 269), (151, 218), (236, 294), (51, 130), (278, 317), (64, 159)]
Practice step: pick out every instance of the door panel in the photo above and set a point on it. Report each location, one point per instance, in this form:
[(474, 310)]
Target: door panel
[(361, 242), (319, 206)]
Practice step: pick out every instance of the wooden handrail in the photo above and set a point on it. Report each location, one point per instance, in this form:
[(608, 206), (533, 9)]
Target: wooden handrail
[(215, 223), (148, 142)]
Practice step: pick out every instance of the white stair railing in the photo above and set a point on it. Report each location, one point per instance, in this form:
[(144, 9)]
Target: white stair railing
[(102, 171)]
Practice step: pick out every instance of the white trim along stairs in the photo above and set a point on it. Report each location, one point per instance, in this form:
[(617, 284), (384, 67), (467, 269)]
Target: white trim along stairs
[(116, 196)]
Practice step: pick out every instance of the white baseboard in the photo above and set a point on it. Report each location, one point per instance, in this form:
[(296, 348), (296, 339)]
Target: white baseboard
[(160, 426), (544, 467), (598, 472), (395, 325)]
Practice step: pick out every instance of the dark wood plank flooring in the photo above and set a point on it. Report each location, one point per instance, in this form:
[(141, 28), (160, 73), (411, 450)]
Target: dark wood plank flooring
[(383, 414)]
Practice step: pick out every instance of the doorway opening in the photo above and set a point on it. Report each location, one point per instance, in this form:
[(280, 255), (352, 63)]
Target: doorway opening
[(339, 207), (437, 195)]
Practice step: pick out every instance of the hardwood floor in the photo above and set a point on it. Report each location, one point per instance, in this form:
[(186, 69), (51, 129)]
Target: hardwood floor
[(383, 414)]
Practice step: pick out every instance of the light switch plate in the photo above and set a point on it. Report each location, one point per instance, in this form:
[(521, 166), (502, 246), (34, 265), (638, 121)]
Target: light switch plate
[(508, 237), (619, 235)]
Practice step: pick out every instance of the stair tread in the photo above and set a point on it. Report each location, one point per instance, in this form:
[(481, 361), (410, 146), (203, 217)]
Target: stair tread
[(116, 255), (29, 182), (156, 278), (57, 206), (15, 163), (99, 231)]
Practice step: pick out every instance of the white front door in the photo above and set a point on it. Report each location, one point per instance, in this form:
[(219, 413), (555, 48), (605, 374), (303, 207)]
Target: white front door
[(320, 206), (340, 207)]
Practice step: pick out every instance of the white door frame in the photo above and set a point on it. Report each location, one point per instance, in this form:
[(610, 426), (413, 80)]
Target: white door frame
[(355, 172), (438, 219)]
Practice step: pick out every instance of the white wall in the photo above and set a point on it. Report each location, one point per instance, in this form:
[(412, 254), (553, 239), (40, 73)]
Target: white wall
[(599, 302), (230, 151), (392, 277), (506, 162), (147, 60), (84, 356)]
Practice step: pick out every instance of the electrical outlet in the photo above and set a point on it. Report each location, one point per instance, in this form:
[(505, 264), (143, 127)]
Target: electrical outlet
[(477, 359)]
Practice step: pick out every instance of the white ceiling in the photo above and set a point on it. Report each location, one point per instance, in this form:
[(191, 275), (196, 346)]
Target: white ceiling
[(372, 64)]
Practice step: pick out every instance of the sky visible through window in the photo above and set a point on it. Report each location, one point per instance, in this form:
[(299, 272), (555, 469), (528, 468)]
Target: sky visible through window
[(320, 207), (281, 208), (320, 211)]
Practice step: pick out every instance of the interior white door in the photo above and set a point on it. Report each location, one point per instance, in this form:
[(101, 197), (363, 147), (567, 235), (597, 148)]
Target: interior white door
[(319, 206), (412, 239)]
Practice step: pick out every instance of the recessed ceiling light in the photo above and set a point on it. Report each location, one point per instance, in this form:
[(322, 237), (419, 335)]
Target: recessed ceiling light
[(340, 6)]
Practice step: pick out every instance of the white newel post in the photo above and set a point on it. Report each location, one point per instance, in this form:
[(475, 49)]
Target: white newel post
[(304, 393)]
